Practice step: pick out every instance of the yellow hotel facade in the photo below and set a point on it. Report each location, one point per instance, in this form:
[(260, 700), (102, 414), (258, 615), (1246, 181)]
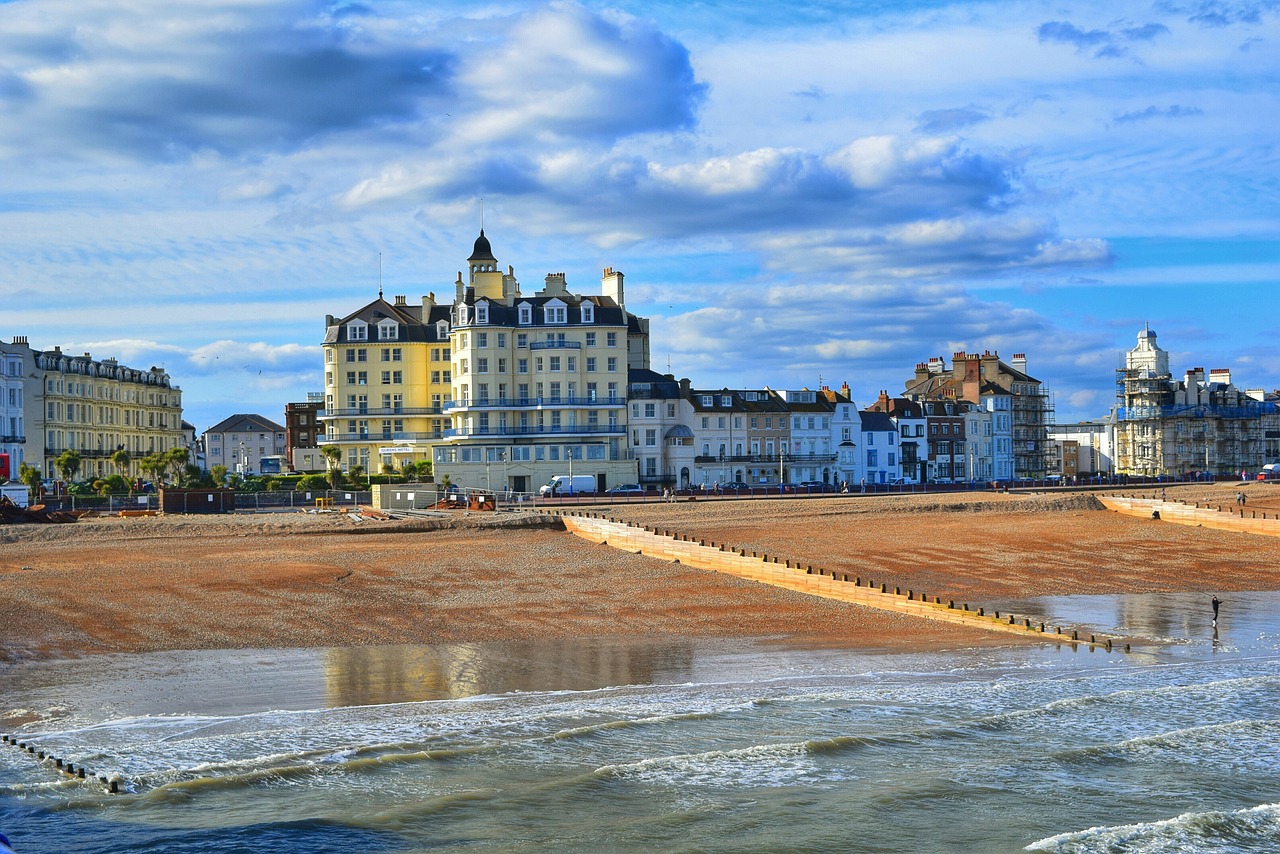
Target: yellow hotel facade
[(499, 389)]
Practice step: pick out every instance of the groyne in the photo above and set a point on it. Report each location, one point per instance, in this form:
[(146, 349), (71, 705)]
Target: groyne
[(775, 570)]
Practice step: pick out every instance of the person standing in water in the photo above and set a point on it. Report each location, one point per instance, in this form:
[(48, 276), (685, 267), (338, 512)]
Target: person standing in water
[(1216, 604)]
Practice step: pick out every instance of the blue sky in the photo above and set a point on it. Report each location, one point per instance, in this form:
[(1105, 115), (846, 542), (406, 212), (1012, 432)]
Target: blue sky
[(797, 192)]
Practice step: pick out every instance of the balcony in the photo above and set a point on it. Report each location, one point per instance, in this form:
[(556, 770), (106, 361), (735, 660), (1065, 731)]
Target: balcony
[(766, 459), (379, 412), (533, 403), (516, 432), (376, 437), (555, 345)]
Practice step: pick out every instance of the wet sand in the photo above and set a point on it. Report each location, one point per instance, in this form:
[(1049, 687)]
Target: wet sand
[(270, 582)]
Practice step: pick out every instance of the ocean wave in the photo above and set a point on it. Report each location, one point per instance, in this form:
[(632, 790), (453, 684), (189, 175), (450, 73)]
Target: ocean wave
[(1244, 741), (760, 765), (1251, 829)]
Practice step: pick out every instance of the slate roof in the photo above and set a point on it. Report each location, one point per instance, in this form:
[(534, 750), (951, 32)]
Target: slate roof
[(245, 423)]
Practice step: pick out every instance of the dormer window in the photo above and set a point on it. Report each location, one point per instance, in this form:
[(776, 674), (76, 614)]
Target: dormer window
[(388, 330), (526, 314), (555, 312), (482, 313), (464, 315), (588, 312), (357, 330), (442, 329)]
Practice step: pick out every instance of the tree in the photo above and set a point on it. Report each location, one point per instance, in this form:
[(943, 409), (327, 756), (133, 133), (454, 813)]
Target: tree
[(153, 465), (219, 473), (30, 475), (355, 474), (176, 459), (333, 458), (68, 465), (121, 460)]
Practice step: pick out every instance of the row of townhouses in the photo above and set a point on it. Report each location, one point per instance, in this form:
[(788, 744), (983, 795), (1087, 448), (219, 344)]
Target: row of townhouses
[(504, 389), (500, 388), (52, 402)]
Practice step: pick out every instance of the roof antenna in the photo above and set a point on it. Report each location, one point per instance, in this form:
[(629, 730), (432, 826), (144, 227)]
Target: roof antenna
[(482, 214), (379, 275)]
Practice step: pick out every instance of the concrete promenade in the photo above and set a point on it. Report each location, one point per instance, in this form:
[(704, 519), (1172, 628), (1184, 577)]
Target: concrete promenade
[(775, 570)]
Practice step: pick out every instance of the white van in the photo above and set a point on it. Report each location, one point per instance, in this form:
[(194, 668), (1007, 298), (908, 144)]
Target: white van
[(562, 484)]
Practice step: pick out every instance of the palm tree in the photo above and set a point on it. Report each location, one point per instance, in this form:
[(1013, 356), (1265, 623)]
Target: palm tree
[(333, 458), (176, 460), (219, 473), (121, 460), (68, 465), (153, 465)]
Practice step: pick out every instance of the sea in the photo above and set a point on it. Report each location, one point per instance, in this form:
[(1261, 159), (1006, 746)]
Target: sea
[(668, 745)]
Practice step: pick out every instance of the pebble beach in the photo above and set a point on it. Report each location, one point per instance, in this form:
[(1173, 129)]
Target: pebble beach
[(105, 585)]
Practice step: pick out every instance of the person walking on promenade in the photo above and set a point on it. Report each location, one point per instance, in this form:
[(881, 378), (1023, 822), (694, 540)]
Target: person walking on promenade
[(1217, 603)]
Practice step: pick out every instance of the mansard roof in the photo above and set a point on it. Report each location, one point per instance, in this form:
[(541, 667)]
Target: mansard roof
[(416, 328)]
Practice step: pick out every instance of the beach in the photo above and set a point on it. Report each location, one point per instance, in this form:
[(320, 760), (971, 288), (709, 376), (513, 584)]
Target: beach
[(308, 682), (322, 580)]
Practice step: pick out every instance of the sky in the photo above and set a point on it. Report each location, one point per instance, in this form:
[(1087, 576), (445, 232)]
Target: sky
[(799, 193)]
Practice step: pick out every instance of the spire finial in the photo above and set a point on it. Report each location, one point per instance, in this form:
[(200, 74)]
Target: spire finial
[(379, 275)]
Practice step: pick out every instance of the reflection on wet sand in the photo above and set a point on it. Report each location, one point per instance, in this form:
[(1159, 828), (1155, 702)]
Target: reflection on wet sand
[(360, 676)]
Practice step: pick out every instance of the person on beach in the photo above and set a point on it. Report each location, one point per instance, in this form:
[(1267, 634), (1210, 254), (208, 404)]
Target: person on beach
[(1217, 603)]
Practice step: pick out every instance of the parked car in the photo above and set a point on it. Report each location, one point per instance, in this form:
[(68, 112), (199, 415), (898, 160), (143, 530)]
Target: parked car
[(736, 486), (627, 489), (818, 486)]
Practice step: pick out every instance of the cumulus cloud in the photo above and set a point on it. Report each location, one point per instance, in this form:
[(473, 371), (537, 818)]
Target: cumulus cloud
[(153, 79), (566, 72)]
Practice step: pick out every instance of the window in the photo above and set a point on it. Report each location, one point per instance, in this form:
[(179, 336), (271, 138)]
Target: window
[(588, 312), (651, 437), (555, 363), (397, 377), (386, 378), (482, 366), (873, 459), (482, 339), (388, 331), (650, 410), (613, 364), (462, 367), (571, 363), (351, 377), (357, 331), (522, 339), (502, 339), (435, 376), (525, 314), (522, 366), (502, 366), (591, 339), (554, 314), (611, 339), (482, 314), (591, 363), (351, 355)]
